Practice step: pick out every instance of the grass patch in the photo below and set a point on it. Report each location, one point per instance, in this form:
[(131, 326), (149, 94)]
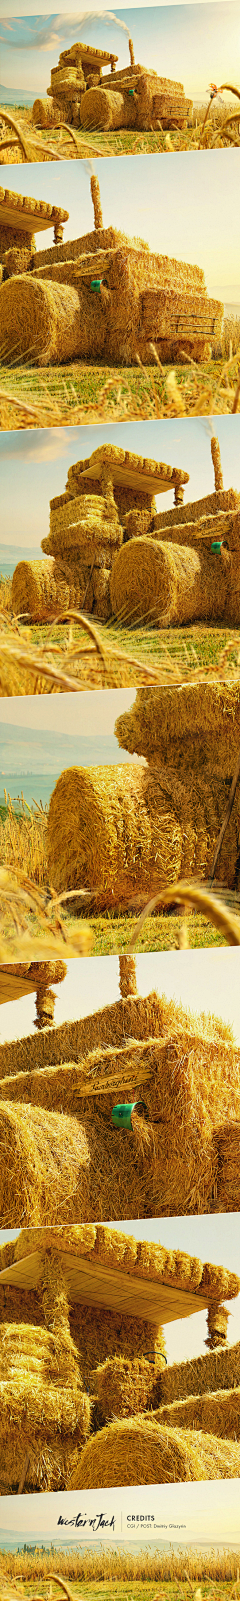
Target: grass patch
[(35, 397), (159, 933), (51, 143)]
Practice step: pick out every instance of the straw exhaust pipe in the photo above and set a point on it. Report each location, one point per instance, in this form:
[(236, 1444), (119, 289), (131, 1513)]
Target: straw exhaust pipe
[(131, 53), (217, 465), (96, 200)]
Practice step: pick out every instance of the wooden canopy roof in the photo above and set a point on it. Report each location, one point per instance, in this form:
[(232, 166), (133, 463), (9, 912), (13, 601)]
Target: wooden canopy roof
[(93, 1284), (153, 477), (34, 216)]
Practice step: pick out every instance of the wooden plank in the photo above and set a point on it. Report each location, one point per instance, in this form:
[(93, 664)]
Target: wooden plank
[(12, 987), (30, 222), (131, 477), (93, 1284)]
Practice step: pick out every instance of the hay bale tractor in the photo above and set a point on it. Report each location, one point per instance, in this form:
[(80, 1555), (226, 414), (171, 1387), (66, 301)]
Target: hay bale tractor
[(82, 1343), (135, 97), (27, 978), (125, 833), (97, 1115), (101, 296), (111, 553), (109, 499)]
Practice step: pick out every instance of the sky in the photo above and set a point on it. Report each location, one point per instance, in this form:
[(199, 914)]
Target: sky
[(185, 42), (160, 202), (87, 714), (213, 1239), (34, 466), (182, 1512)]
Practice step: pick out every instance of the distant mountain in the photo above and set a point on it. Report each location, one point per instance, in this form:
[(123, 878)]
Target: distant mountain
[(11, 554), (34, 751), (17, 97)]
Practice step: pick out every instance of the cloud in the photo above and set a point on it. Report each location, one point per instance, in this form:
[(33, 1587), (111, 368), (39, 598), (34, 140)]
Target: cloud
[(56, 30), (51, 444)]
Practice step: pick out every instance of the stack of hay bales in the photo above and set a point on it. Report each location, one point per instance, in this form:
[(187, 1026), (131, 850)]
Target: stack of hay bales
[(135, 97), (135, 299), (108, 496), (125, 833), (79, 68), (63, 1156), (96, 1272), (45, 1415), (189, 566), (108, 548)]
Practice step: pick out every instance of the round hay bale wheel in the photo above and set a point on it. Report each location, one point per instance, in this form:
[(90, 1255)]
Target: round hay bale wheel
[(153, 582), (36, 591), (43, 113), (102, 108), (104, 837), (139, 1451), (40, 321)]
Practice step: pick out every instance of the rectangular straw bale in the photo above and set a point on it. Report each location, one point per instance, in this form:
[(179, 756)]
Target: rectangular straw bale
[(208, 505), (114, 1249), (97, 239), (172, 313), (220, 526), (138, 1016), (218, 1370), (228, 1179), (14, 237), (75, 1086), (174, 1267), (79, 1239), (46, 1166), (76, 269), (217, 1413)]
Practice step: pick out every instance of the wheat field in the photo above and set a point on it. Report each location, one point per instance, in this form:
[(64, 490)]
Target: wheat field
[(111, 1571)]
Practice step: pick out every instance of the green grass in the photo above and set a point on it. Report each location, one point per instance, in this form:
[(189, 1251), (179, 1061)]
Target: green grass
[(137, 1590), (199, 646), (80, 392), (111, 935)]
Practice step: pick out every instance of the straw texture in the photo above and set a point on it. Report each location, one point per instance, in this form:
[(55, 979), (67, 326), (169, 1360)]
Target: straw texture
[(35, 589), (40, 1415), (124, 1388), (45, 1168), (139, 1451), (40, 322), (154, 583), (217, 1414), (43, 113), (228, 1180), (127, 976), (217, 1371), (186, 725), (68, 1131), (123, 832)]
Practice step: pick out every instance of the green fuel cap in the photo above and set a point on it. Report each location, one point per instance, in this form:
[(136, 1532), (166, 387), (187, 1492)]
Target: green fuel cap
[(131, 92), (122, 1113), (96, 286), (216, 546)]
